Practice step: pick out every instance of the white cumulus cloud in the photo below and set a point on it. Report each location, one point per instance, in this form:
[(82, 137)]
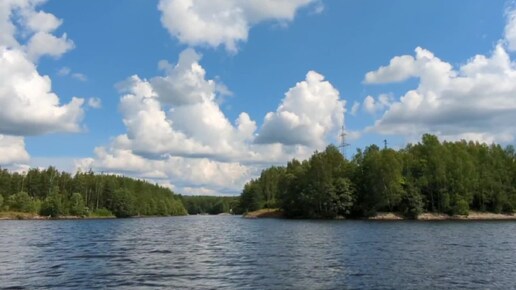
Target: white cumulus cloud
[(399, 69), (184, 83), (12, 150), (40, 21), (308, 113), (21, 17), (372, 105), (223, 22), (44, 43), (474, 101), (181, 108), (28, 105), (178, 135)]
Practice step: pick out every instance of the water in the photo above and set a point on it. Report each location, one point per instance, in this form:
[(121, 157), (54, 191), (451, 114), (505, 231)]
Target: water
[(203, 252)]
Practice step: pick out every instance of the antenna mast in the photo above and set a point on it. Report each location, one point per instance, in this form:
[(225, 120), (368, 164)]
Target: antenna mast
[(343, 144)]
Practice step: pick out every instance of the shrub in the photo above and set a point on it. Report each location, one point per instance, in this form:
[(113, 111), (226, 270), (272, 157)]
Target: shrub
[(101, 212), (21, 202)]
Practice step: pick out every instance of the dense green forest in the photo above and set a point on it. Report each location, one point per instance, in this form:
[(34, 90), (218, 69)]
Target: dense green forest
[(430, 176), (52, 193), (211, 204)]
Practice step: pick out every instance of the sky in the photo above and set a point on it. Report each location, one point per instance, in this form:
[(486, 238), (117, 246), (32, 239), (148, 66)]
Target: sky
[(200, 96)]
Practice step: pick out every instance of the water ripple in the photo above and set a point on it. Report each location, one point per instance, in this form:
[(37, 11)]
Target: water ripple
[(233, 253)]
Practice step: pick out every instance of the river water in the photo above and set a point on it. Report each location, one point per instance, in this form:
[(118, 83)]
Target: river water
[(219, 252)]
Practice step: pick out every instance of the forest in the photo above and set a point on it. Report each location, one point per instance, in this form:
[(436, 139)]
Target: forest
[(430, 176), (52, 193), (211, 204)]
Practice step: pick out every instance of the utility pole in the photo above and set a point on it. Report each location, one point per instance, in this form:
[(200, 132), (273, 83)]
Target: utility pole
[(385, 144)]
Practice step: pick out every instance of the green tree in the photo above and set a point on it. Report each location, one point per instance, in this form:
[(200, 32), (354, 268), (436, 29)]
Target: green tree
[(77, 205), (342, 197), (123, 204), (411, 204), (381, 180), (52, 205), (269, 182), (319, 187), (250, 199)]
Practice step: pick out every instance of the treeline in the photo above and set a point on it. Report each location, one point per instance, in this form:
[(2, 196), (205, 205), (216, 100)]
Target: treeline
[(211, 204), (430, 176), (52, 193)]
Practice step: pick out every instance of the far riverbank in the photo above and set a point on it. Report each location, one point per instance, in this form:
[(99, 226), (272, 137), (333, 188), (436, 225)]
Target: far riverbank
[(12, 215), (389, 216)]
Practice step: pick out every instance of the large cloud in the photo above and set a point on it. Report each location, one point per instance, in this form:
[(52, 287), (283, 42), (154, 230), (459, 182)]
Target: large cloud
[(475, 101), (222, 22), (182, 111), (177, 133), (28, 105), (309, 111)]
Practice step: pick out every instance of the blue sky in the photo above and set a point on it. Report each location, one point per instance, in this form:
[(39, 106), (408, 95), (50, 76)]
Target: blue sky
[(245, 60)]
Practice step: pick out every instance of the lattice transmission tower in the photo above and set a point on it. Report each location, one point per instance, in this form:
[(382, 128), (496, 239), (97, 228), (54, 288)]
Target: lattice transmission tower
[(343, 144)]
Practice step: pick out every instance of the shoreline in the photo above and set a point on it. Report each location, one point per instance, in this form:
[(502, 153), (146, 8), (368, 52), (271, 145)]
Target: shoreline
[(20, 216), (390, 216), (264, 213), (10, 216), (472, 216), (278, 214)]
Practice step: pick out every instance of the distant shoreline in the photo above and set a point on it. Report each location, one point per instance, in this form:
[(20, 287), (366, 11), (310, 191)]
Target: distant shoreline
[(31, 216), (13, 215), (278, 214), (389, 216), (472, 216)]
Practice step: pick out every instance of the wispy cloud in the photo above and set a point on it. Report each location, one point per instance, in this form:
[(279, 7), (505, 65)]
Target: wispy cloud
[(95, 103), (66, 71)]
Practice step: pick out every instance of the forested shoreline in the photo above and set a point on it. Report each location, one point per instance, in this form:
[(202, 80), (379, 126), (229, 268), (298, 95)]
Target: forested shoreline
[(430, 176), (52, 193), (212, 205)]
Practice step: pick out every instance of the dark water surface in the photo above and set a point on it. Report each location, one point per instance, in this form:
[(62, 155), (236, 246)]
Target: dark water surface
[(203, 252)]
